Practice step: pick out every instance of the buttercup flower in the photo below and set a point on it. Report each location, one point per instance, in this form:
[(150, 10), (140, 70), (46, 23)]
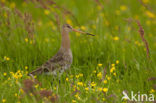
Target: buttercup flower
[(4, 73), (123, 7), (105, 90), (116, 38), (99, 65), (99, 75), (105, 81), (67, 79), (117, 61), (93, 84), (3, 100), (87, 89)]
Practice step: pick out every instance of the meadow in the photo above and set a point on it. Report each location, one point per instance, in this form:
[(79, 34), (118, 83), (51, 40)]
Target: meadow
[(120, 57)]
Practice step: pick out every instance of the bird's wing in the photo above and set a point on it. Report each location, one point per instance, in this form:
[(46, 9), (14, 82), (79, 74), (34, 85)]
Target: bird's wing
[(52, 64)]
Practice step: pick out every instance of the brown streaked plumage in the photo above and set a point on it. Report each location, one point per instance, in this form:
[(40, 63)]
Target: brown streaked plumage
[(63, 59)]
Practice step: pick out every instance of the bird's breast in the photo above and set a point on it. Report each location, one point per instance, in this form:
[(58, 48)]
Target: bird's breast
[(68, 56)]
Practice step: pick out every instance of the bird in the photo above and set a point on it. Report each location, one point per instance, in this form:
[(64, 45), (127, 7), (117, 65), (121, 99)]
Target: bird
[(62, 60)]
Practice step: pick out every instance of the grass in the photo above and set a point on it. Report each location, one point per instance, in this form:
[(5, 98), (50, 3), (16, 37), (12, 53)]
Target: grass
[(103, 66)]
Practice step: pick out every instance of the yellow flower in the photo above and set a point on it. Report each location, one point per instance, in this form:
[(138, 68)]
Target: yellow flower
[(117, 61), (99, 75), (80, 83), (20, 75), (150, 14), (100, 89), (26, 67), (31, 94), (73, 101), (15, 76), (46, 12), (123, 7), (105, 90), (69, 21), (105, 81), (77, 96), (114, 74), (77, 76), (108, 78), (12, 5), (3, 100), (103, 99), (31, 41), (5, 74), (113, 65), (9, 78), (99, 65), (83, 27), (7, 58), (16, 94), (36, 86), (67, 79), (81, 75), (94, 71), (152, 91), (26, 39), (21, 90), (116, 38), (93, 84), (87, 89), (112, 69)]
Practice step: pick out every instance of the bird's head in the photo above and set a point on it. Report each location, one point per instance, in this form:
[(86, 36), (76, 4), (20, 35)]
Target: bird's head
[(69, 28)]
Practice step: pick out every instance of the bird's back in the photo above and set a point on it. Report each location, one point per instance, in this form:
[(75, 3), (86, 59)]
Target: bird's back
[(58, 63)]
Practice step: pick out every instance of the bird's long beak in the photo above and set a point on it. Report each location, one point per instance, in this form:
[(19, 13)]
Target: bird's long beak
[(82, 32)]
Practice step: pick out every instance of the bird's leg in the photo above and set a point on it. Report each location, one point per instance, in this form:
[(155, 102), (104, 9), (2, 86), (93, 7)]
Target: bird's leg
[(59, 81), (60, 73), (52, 82)]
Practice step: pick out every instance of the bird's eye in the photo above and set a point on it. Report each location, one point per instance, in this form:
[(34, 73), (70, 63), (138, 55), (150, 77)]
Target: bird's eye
[(68, 26)]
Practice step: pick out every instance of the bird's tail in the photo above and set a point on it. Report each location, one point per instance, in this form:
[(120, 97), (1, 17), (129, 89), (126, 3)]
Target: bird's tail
[(37, 71)]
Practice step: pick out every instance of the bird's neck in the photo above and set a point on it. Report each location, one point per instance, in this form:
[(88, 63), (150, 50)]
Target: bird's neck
[(65, 40)]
